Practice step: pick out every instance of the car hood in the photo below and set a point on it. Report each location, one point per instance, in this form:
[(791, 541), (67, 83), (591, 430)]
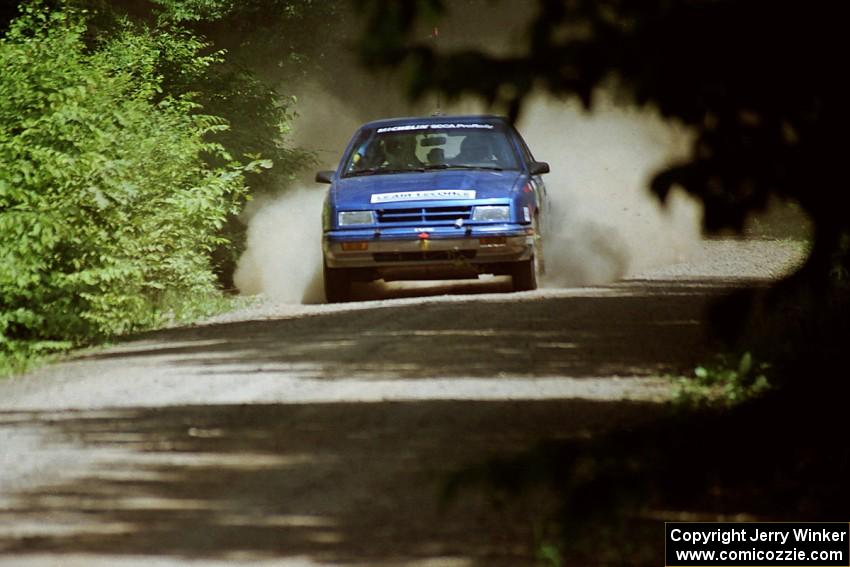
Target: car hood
[(486, 184)]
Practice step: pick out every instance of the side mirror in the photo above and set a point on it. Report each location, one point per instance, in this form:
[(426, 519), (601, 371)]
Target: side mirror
[(538, 168), (324, 176)]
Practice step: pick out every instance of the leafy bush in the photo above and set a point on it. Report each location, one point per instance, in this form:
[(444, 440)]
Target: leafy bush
[(107, 201), (261, 121), (727, 381)]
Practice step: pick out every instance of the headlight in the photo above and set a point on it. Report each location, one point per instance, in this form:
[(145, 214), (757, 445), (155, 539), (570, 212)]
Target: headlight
[(352, 218), (492, 213)]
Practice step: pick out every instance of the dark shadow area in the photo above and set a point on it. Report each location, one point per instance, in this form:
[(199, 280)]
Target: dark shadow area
[(397, 290), (772, 460), (334, 482), (632, 329), (780, 457)]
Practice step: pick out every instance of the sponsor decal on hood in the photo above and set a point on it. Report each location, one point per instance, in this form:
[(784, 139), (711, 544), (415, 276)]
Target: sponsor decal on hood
[(437, 194)]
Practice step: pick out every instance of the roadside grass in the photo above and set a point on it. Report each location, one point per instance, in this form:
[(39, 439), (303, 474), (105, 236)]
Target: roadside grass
[(725, 381), (25, 358), (173, 310), (178, 310)]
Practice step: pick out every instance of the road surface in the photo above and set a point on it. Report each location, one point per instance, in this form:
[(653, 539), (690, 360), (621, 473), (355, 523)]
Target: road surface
[(322, 435)]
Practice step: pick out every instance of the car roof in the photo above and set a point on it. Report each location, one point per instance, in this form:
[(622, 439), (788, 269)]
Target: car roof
[(436, 119)]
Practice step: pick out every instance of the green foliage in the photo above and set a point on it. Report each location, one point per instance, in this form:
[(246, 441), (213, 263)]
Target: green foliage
[(170, 55), (549, 555), (195, 10), (260, 121), (178, 308), (840, 271), (106, 202), (271, 11), (19, 358), (726, 381), (263, 46), (260, 49)]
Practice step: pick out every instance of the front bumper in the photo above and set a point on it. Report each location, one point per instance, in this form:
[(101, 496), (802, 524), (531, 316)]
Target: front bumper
[(444, 247)]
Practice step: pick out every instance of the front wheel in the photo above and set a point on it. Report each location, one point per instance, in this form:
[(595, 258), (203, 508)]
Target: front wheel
[(524, 275), (337, 285)]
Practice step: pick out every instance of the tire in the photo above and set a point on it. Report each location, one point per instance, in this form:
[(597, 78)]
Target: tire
[(538, 252), (524, 275), (337, 285)]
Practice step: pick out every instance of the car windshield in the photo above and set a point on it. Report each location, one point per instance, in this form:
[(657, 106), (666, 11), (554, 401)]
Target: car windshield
[(423, 147)]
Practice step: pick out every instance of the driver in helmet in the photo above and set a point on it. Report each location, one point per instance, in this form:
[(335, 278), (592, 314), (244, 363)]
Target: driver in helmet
[(400, 152), (475, 149)]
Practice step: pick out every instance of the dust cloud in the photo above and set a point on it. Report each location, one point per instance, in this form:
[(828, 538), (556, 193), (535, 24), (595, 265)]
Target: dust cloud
[(604, 224), (283, 255), (324, 125)]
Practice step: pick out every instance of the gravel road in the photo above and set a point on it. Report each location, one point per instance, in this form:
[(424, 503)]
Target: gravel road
[(320, 434)]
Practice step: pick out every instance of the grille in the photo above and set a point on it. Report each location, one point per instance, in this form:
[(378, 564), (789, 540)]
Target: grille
[(446, 255), (418, 215)]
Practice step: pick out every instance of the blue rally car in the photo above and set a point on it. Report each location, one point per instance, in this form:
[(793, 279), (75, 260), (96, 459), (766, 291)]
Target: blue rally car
[(433, 198)]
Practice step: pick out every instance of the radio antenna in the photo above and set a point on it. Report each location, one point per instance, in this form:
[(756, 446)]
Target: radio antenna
[(435, 35)]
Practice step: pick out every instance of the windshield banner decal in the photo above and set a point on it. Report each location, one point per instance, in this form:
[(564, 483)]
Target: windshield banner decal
[(408, 127), (439, 194)]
